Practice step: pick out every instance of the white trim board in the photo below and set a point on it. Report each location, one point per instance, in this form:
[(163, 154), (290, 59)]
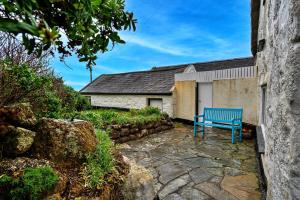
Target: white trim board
[(209, 76)]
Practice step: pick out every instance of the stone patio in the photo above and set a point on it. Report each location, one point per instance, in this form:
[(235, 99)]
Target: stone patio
[(187, 168)]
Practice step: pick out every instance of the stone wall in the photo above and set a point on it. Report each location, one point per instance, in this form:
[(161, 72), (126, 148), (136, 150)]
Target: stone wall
[(131, 101), (127, 132), (279, 71)]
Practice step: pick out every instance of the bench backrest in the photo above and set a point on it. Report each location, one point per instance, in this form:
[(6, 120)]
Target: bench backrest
[(223, 114)]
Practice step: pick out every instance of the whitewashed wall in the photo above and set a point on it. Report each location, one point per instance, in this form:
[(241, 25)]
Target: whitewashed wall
[(131, 101)]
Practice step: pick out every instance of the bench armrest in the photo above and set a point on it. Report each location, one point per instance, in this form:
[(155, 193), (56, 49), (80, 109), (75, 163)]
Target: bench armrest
[(198, 116)]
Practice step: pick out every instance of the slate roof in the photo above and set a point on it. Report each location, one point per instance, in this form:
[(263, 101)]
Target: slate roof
[(158, 80)]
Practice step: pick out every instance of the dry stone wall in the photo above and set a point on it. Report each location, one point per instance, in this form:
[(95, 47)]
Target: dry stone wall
[(127, 132), (279, 71)]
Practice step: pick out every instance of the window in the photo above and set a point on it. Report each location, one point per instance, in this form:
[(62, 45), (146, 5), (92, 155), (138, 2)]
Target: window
[(156, 103), (263, 104)]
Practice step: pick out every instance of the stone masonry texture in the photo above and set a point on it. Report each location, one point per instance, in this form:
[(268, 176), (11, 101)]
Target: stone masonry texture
[(279, 70)]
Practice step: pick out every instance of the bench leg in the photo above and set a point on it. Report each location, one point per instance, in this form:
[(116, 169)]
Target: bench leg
[(241, 134), (202, 132), (195, 130), (233, 136)]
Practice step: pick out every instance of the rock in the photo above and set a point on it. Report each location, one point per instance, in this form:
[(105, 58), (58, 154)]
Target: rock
[(173, 196), (124, 131), (54, 197), (17, 141), (18, 115), (214, 191), (170, 171), (191, 193), (132, 137), (173, 186), (15, 167), (63, 140), (139, 183), (123, 139), (114, 135), (199, 175), (144, 132), (5, 128), (242, 187)]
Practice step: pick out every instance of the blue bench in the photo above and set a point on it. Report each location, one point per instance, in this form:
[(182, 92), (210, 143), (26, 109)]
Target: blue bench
[(228, 118)]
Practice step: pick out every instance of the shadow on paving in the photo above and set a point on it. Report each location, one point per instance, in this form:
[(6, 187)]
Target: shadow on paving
[(185, 167)]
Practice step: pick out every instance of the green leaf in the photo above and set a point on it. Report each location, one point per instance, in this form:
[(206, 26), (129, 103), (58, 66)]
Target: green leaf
[(13, 26)]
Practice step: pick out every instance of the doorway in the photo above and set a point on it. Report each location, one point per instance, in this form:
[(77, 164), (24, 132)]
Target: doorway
[(204, 96)]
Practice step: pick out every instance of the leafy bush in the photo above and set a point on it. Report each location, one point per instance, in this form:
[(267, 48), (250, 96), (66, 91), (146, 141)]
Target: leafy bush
[(47, 94), (100, 118), (100, 162), (149, 111), (31, 185)]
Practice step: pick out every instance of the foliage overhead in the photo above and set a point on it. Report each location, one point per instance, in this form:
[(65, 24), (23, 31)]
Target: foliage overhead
[(81, 26)]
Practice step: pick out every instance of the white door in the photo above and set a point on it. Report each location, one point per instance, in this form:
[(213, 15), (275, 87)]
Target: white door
[(205, 96), (156, 103)]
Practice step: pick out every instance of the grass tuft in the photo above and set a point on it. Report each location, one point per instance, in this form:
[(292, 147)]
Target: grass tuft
[(100, 162)]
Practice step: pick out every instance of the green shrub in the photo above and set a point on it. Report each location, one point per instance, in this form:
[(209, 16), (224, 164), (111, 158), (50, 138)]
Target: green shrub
[(5, 180), (47, 94), (149, 111), (33, 183), (99, 162), (102, 117), (108, 116)]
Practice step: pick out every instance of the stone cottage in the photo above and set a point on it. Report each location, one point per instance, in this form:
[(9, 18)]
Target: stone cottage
[(276, 46), (181, 90)]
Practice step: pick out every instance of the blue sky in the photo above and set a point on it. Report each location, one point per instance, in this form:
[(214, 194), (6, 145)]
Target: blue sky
[(171, 32)]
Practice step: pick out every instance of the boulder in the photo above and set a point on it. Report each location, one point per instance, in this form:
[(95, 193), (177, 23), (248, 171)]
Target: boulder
[(139, 183), (17, 140), (18, 115), (15, 167), (60, 140)]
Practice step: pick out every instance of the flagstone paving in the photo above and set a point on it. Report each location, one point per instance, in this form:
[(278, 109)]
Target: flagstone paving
[(185, 167)]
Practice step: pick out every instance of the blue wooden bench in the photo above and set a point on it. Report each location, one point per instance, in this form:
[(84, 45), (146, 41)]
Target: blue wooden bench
[(228, 118)]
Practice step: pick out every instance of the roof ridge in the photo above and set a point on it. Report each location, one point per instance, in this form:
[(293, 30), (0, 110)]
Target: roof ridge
[(137, 72), (207, 62)]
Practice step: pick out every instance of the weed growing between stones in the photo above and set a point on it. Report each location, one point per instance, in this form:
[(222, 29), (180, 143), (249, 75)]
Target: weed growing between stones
[(100, 162), (31, 184)]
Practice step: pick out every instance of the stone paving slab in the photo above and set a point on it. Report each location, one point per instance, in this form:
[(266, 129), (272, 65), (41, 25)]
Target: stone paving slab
[(188, 168)]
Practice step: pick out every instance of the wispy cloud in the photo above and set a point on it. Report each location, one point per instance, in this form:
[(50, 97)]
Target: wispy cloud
[(175, 43), (151, 43), (106, 69), (76, 83)]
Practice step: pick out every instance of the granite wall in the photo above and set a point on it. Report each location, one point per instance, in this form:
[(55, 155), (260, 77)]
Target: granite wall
[(127, 132), (279, 71)]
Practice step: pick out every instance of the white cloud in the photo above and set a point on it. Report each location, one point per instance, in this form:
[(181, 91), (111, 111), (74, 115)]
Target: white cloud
[(76, 83), (106, 69), (174, 43), (154, 45)]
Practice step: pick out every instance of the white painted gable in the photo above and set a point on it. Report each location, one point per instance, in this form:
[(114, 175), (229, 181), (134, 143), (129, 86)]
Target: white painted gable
[(190, 69)]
